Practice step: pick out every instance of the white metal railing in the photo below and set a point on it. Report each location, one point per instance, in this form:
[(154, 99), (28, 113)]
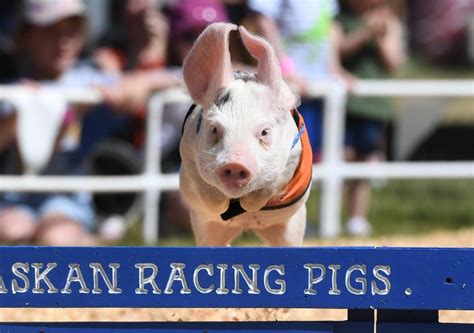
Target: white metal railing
[(331, 171)]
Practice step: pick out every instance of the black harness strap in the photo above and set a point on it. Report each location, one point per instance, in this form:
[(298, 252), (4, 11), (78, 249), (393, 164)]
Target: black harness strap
[(234, 210), (190, 111)]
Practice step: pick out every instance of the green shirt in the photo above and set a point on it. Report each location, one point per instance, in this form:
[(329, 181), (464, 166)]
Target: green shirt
[(365, 64)]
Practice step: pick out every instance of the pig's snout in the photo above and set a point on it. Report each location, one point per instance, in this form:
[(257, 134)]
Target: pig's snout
[(234, 174)]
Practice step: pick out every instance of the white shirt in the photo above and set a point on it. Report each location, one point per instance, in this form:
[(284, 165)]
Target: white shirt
[(305, 30)]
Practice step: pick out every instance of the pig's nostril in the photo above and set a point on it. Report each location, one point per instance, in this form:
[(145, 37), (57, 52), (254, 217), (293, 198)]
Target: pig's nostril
[(235, 174)]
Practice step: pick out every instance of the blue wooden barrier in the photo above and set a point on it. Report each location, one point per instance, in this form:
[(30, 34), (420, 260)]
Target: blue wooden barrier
[(407, 286)]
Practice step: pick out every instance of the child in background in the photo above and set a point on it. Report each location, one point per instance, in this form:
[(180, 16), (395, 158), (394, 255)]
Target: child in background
[(136, 45), (370, 48), (136, 48), (49, 39), (302, 33)]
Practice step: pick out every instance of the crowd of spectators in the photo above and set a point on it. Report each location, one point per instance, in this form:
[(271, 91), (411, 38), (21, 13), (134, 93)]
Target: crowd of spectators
[(43, 43), (140, 54)]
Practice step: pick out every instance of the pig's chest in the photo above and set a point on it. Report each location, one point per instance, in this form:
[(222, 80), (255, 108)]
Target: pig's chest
[(257, 220), (248, 221)]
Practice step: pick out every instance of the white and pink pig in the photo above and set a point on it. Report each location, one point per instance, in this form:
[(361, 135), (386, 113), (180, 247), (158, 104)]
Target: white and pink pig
[(246, 157)]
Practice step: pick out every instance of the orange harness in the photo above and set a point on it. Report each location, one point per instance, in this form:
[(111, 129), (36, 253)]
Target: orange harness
[(298, 185)]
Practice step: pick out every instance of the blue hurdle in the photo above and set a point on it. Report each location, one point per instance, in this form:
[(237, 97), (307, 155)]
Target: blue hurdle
[(407, 286)]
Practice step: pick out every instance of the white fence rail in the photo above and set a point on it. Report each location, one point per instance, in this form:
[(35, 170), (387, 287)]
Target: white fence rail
[(331, 171)]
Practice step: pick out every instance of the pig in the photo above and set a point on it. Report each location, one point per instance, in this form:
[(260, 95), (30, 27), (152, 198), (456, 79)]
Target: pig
[(246, 157)]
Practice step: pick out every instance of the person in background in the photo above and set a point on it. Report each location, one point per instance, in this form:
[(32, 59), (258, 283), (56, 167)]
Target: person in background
[(135, 48), (304, 38), (370, 46), (302, 33), (49, 39), (137, 45), (137, 38)]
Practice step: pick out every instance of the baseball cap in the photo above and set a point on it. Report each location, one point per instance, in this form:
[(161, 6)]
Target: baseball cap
[(48, 12), (191, 15)]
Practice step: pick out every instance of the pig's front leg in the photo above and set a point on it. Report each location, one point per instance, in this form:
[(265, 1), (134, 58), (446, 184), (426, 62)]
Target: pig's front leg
[(212, 233), (256, 200), (197, 192), (290, 233), (214, 200)]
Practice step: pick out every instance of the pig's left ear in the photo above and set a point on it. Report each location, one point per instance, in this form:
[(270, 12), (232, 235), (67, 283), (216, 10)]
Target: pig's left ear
[(269, 72), (208, 68)]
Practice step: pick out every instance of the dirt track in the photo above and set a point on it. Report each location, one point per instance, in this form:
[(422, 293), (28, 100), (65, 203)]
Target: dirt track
[(461, 238)]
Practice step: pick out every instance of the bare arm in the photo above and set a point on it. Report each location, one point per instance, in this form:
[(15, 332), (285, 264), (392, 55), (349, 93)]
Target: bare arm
[(134, 88), (382, 27), (390, 45), (335, 56), (352, 42)]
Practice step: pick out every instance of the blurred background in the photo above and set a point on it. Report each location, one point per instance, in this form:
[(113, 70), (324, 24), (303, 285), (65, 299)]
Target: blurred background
[(76, 78)]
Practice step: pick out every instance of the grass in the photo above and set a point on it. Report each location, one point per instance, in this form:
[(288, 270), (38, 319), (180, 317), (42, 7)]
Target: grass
[(419, 206), (414, 206), (398, 207)]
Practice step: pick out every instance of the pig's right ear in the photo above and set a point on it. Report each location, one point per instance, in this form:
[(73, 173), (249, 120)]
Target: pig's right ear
[(208, 68)]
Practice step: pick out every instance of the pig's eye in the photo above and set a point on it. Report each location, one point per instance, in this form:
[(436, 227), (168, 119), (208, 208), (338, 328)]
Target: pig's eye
[(215, 134), (265, 137)]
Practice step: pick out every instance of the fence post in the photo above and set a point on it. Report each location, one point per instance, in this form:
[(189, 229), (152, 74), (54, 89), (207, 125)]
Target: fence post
[(152, 168), (333, 139)]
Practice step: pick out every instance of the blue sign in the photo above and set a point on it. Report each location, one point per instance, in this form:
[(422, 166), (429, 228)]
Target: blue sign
[(354, 278)]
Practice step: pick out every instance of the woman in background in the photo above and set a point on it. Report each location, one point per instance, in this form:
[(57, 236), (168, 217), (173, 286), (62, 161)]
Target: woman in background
[(370, 47)]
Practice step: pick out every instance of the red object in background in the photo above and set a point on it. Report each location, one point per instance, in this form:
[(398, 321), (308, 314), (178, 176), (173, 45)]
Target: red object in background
[(195, 15), (438, 28)]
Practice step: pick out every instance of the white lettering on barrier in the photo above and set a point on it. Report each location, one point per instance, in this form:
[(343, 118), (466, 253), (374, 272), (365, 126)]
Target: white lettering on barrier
[(209, 268), (384, 279), (16, 271), (334, 290), (3, 288), (361, 280), (316, 273), (222, 290), (314, 280), (251, 283), (43, 277), (177, 274), (357, 278), (280, 269), (97, 270), (142, 280), (75, 268)]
